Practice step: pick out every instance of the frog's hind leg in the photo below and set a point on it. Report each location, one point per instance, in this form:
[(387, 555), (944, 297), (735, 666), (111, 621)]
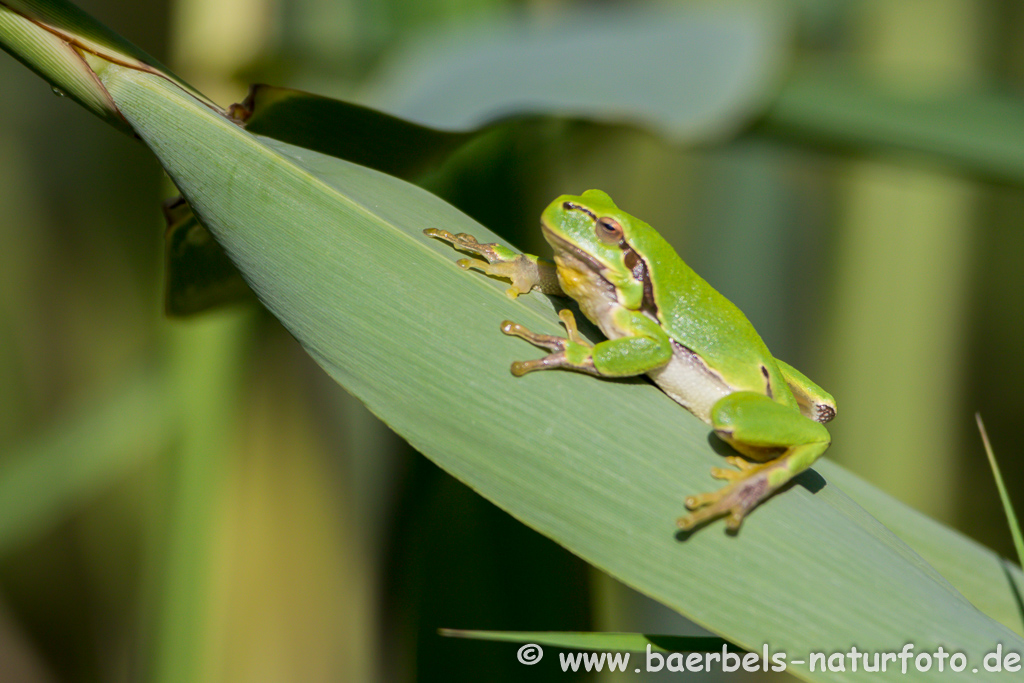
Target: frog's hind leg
[(758, 427), (814, 402)]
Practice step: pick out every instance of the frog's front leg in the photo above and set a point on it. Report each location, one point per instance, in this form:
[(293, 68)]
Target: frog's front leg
[(644, 347), (759, 428), (525, 271)]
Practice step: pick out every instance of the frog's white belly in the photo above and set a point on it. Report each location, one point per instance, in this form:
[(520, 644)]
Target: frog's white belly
[(685, 378), (689, 382)]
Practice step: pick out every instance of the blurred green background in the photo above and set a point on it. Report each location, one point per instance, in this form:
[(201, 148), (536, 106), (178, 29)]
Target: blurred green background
[(200, 486)]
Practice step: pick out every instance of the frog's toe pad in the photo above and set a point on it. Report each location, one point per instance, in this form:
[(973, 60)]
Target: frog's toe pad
[(544, 341), (728, 475), (739, 463)]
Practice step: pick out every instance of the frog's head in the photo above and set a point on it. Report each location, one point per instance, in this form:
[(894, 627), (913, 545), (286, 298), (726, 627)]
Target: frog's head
[(590, 232)]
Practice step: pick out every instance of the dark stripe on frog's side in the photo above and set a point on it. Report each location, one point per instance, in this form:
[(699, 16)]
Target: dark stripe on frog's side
[(638, 266), (705, 334), (767, 381)]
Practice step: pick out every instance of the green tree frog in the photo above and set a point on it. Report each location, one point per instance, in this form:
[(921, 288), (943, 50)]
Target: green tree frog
[(663, 320)]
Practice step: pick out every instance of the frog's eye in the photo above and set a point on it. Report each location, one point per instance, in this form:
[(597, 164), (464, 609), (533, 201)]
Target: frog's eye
[(608, 230)]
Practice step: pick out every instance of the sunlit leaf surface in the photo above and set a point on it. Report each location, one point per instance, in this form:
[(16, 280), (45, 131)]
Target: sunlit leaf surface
[(336, 252)]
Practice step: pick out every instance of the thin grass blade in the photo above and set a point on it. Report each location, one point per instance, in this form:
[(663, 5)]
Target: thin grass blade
[(1004, 495), (605, 642)]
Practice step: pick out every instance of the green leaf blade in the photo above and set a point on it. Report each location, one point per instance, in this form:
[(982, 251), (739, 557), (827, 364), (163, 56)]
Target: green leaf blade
[(605, 642), (975, 132), (987, 580), (1004, 495), (696, 73), (345, 130), (336, 252)]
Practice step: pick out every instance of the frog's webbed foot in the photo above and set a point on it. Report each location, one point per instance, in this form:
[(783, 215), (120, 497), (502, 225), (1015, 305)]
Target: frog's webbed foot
[(573, 352), (523, 270), (748, 487), (740, 420)]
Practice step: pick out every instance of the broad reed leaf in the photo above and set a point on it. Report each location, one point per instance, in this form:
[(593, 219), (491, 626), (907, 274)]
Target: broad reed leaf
[(336, 252)]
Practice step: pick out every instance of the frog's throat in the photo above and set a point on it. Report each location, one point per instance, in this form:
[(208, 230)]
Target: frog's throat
[(594, 294)]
